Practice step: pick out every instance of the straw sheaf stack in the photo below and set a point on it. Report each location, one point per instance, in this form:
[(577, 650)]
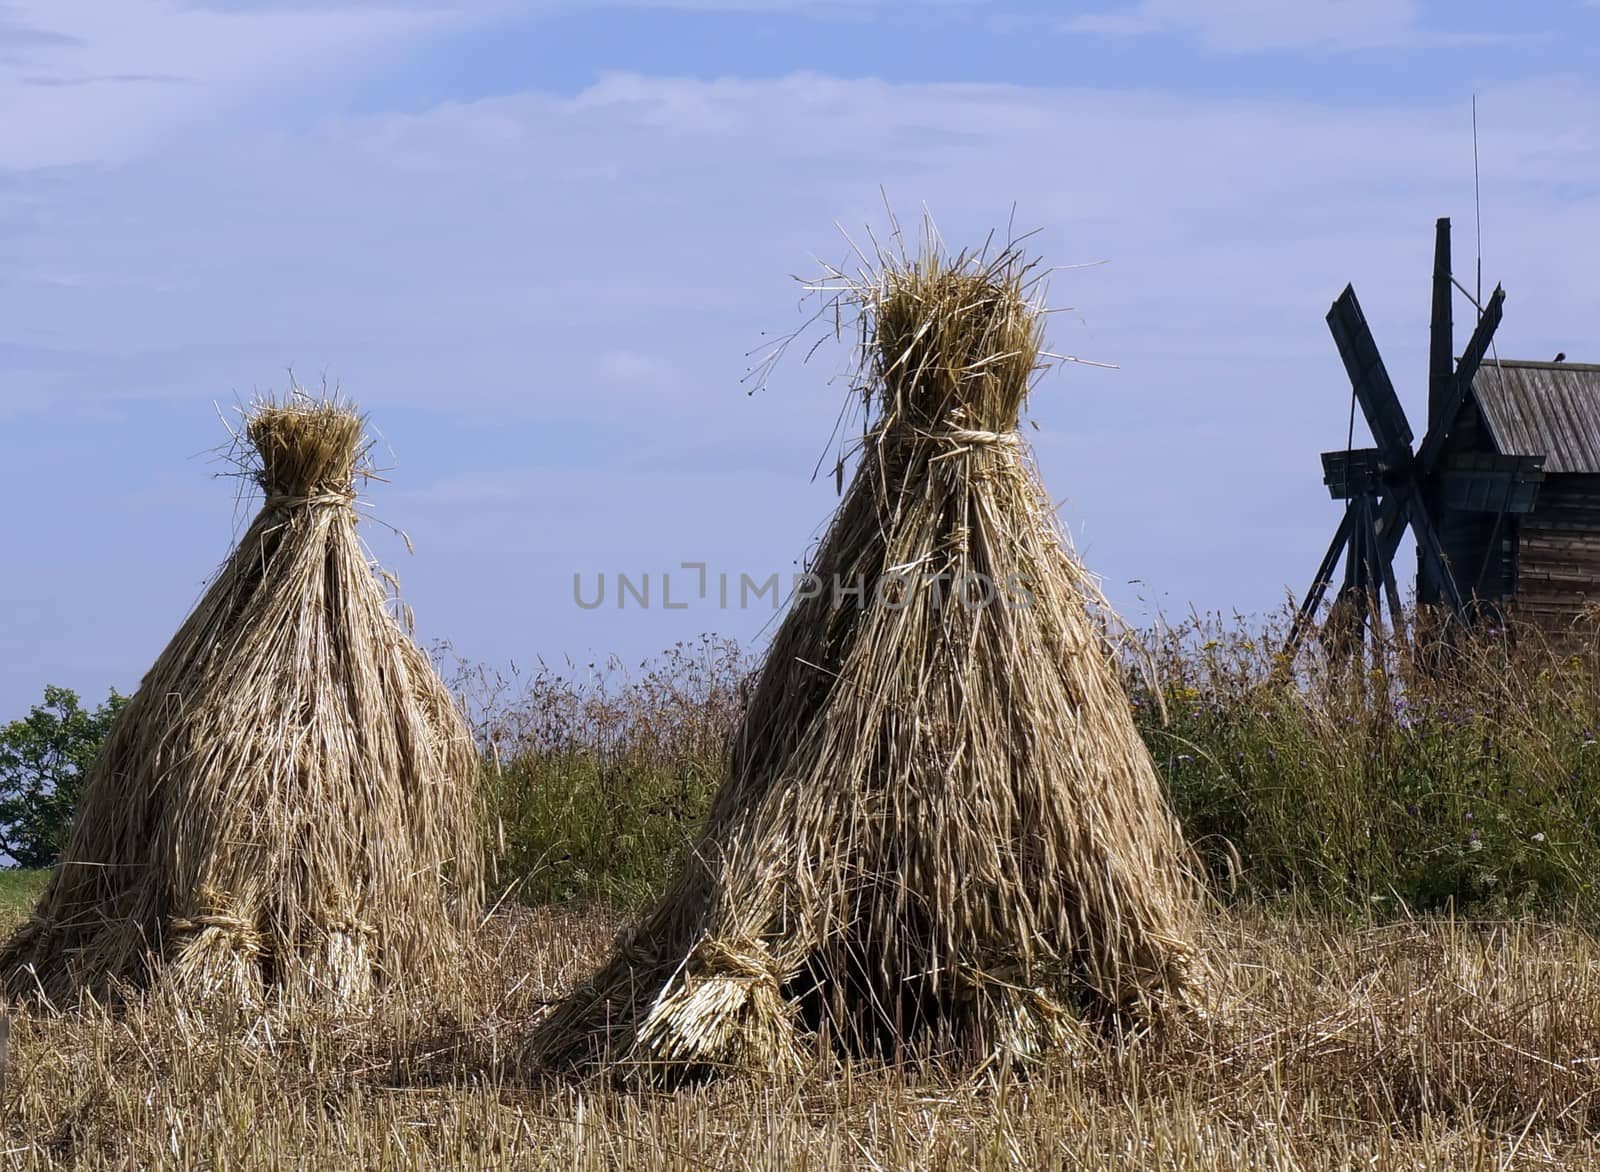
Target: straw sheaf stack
[(941, 831), (287, 807)]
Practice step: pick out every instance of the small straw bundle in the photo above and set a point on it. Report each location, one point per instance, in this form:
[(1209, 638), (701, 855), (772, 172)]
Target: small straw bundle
[(287, 807), (941, 832)]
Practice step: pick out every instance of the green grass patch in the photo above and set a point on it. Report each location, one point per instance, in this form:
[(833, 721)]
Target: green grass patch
[(19, 892), (608, 832)]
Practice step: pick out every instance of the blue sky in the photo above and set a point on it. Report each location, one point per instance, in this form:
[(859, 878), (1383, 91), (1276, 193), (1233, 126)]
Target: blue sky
[(537, 241)]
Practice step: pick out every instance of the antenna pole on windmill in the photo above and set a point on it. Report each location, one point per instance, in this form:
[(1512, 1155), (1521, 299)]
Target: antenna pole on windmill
[(1477, 205)]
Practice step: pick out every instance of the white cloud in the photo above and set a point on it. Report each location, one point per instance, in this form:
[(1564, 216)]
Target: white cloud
[(823, 8), (820, 8), (1239, 26), (85, 81)]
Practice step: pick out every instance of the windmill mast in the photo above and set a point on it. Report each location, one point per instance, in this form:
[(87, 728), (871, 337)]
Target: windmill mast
[(1441, 384)]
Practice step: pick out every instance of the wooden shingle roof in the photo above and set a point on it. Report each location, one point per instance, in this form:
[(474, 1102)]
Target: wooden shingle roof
[(1543, 408)]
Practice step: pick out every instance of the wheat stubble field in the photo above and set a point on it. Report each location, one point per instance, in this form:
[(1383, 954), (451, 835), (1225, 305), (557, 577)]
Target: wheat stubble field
[(1429, 1044)]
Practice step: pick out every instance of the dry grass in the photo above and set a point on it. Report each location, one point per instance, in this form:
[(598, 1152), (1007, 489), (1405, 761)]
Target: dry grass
[(940, 829), (276, 810), (1419, 1046)]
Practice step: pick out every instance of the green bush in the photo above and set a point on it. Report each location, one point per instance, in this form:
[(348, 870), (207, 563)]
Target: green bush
[(600, 778), (44, 759)]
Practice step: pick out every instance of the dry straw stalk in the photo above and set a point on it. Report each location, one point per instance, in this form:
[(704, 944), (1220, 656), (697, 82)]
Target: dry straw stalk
[(940, 830), (287, 807)]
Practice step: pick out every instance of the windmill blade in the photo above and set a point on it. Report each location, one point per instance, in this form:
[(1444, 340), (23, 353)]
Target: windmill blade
[(1397, 614), (1466, 370), (1357, 554), (1402, 506), (1374, 389), (1478, 345), (1383, 571), (1306, 616), (1356, 596), (1428, 543)]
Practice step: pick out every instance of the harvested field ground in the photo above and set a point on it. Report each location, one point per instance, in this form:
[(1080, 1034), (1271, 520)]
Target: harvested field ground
[(1423, 1045)]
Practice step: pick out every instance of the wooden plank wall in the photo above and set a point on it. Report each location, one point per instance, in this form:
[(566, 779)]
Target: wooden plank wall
[(1559, 551)]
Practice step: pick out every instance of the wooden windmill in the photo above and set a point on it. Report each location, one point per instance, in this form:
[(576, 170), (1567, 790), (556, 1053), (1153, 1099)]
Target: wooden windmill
[(1390, 486)]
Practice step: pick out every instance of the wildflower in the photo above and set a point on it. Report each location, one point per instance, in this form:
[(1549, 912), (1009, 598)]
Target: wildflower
[(1413, 809), (1539, 837), (1467, 817)]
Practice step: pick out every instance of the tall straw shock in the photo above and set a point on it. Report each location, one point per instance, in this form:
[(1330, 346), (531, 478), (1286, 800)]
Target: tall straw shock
[(287, 807), (940, 829)]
